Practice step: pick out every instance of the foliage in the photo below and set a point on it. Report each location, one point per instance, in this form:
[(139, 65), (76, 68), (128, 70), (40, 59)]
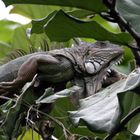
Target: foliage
[(130, 11), (114, 110)]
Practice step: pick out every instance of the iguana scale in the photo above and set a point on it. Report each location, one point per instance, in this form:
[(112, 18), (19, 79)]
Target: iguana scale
[(87, 61)]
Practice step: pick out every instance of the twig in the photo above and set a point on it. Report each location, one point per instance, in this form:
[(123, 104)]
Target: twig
[(5, 98), (66, 131), (124, 25), (107, 17), (129, 116), (123, 122), (133, 48), (114, 14)]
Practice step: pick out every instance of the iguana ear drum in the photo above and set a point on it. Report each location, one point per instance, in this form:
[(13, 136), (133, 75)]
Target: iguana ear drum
[(92, 67), (89, 68)]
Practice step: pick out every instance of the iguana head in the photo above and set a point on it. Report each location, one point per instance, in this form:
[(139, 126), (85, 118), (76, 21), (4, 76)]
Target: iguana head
[(98, 61), (101, 56)]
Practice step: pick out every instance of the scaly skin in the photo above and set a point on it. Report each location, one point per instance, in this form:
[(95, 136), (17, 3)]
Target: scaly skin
[(89, 61)]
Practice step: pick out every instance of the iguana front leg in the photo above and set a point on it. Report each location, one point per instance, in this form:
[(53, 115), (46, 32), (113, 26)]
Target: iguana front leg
[(27, 71)]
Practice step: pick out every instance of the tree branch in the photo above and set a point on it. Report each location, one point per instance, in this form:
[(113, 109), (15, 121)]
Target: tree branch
[(124, 25), (120, 20)]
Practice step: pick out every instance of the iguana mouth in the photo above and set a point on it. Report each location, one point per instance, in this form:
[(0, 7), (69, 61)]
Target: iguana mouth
[(116, 61), (112, 75)]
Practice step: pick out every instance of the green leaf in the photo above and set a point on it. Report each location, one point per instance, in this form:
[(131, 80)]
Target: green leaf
[(59, 112), (103, 112), (81, 13), (20, 38), (2, 136), (13, 36), (58, 95), (29, 135), (130, 11), (11, 125), (62, 27), (33, 11), (40, 11), (126, 135), (4, 48), (92, 5), (6, 30), (128, 63), (128, 102), (38, 25), (12, 119), (62, 105)]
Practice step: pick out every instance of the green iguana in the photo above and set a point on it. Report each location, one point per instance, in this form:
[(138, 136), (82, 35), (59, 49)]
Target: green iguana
[(85, 61)]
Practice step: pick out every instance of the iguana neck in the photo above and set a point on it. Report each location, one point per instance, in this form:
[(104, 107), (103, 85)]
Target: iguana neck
[(76, 55)]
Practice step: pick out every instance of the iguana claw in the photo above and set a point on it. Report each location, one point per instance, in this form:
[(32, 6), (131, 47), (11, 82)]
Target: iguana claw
[(9, 86)]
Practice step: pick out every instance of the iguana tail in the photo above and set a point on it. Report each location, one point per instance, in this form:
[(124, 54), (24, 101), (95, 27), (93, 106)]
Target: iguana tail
[(8, 71)]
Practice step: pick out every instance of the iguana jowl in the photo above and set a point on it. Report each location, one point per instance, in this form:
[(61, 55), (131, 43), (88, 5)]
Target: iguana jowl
[(87, 60)]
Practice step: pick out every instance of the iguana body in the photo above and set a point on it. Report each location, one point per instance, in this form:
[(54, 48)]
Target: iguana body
[(89, 61)]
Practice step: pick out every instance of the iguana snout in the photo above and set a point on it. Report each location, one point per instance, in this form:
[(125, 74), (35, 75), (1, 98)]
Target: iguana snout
[(102, 56)]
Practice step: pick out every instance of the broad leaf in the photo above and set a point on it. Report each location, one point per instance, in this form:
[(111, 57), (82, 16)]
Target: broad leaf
[(62, 105), (33, 11), (126, 135), (80, 13), (103, 111), (6, 30), (92, 5), (128, 63), (60, 26), (39, 11), (130, 11), (20, 38), (4, 109), (128, 102), (59, 95), (4, 48), (38, 25), (11, 125)]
